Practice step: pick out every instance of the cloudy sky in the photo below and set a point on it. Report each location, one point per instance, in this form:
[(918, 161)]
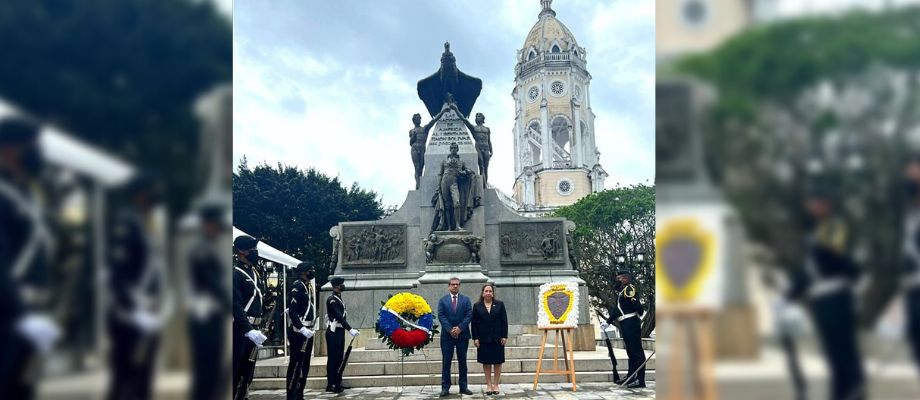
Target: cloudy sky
[(331, 84)]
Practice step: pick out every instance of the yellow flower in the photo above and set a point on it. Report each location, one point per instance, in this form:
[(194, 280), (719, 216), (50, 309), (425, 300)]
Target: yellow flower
[(408, 303)]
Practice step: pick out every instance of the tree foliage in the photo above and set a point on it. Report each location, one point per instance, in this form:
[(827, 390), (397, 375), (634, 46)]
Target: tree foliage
[(609, 224), (830, 96), (119, 74), (293, 210)]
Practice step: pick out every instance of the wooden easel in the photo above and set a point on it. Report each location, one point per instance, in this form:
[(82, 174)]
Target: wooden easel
[(696, 326), (567, 354)]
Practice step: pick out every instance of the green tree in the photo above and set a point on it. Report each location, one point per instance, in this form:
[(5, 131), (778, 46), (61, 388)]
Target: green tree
[(293, 209), (829, 96), (610, 225), (122, 75)]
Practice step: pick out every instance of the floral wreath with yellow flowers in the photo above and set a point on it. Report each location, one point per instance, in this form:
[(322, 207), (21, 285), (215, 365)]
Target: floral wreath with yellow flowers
[(406, 323)]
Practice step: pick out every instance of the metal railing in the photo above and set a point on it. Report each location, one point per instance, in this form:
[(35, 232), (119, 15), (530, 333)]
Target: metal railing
[(549, 59)]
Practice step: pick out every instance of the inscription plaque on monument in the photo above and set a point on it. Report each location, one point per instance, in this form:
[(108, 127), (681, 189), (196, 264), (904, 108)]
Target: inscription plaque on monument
[(532, 242), (374, 245), (450, 129)]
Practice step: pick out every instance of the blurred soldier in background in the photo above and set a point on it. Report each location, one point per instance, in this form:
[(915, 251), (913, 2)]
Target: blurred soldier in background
[(826, 285), (302, 312), (627, 313), (911, 249), (25, 244), (137, 262), (247, 313), (209, 300)]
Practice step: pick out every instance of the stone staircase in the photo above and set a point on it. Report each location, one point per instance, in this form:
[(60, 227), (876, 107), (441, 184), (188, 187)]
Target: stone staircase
[(376, 365)]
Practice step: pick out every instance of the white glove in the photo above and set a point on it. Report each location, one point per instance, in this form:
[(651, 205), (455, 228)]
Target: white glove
[(145, 321), (354, 332), (256, 336), (40, 330), (306, 332), (201, 307), (604, 326)]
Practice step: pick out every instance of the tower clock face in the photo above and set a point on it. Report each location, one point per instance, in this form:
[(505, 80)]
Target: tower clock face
[(694, 12), (557, 88), (565, 186), (533, 93)]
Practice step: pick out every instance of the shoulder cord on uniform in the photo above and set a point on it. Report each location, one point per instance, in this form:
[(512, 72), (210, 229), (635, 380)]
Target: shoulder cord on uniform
[(255, 291), (155, 270), (39, 234)]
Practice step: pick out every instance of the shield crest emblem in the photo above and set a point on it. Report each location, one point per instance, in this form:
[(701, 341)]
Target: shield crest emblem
[(684, 254), (557, 303)]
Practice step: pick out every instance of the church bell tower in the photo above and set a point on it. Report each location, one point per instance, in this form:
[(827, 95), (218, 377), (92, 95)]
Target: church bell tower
[(556, 160)]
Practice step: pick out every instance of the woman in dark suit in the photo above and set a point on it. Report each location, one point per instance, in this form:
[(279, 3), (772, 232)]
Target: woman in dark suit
[(490, 333)]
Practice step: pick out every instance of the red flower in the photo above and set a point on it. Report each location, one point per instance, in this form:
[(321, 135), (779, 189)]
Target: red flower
[(408, 339)]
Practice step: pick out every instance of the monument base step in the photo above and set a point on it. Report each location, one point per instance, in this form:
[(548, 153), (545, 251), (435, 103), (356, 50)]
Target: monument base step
[(475, 378), (585, 361)]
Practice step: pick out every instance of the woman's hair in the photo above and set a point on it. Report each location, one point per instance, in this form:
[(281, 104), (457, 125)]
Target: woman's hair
[(492, 285)]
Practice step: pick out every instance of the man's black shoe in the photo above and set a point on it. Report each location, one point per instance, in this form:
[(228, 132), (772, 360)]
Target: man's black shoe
[(329, 389), (466, 392), (635, 384), (444, 393)]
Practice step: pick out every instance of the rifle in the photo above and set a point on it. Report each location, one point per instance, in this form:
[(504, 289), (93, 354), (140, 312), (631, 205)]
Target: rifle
[(268, 328), (613, 358), (636, 372), (303, 348), (348, 351)]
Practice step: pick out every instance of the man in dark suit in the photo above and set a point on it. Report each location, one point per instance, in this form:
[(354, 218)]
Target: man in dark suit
[(454, 313)]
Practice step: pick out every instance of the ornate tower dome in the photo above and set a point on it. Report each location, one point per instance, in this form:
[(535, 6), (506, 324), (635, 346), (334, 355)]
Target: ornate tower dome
[(548, 32), (556, 160)]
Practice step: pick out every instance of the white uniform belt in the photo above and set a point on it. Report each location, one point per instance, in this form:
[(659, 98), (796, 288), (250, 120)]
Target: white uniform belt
[(826, 287), (254, 320), (622, 317)]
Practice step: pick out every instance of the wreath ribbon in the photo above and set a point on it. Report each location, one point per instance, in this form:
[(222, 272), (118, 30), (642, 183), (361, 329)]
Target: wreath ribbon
[(428, 331)]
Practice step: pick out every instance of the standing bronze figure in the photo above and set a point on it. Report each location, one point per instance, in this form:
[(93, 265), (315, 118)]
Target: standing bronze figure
[(456, 195), (433, 90), (483, 137), (418, 138)]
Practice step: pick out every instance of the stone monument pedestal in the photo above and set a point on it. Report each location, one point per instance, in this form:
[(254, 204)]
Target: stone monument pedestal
[(410, 252)]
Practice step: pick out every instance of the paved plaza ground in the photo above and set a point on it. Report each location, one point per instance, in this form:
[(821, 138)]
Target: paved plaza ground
[(591, 390)]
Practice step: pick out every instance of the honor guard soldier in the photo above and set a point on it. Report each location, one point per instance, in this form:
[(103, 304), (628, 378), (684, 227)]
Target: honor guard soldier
[(825, 285), (911, 251), (137, 262), (336, 325), (247, 313), (208, 306), (25, 243), (627, 312), (302, 313)]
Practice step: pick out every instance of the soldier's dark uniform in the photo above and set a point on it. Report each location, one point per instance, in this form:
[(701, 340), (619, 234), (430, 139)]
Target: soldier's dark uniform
[(336, 326), (209, 301), (627, 313), (25, 244), (302, 313), (911, 279), (248, 287), (135, 265), (825, 285)]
